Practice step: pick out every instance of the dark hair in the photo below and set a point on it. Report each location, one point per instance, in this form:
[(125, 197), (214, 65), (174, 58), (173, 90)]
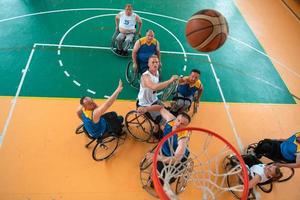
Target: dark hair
[(185, 115), (82, 99), (196, 71)]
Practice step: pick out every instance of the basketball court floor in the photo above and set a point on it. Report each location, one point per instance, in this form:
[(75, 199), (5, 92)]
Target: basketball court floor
[(54, 52)]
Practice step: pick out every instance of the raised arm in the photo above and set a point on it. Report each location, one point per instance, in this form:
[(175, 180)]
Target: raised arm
[(117, 20), (146, 80), (99, 111), (158, 51), (200, 91), (136, 47), (254, 181), (166, 114), (291, 165), (139, 21), (79, 112)]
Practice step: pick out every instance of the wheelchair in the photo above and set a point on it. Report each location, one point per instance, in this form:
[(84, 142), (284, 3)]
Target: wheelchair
[(231, 166), (141, 127), (133, 77), (114, 43), (288, 173), (107, 144), (146, 175), (171, 92)]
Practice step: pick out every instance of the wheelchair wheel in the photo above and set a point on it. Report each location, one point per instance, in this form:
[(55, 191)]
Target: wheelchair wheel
[(139, 126), (146, 181), (287, 173), (232, 179), (80, 129), (195, 107), (168, 91), (132, 77), (145, 175), (183, 179), (267, 188), (105, 147)]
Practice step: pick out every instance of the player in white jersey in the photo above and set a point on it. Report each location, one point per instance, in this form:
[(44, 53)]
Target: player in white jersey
[(126, 26), (149, 86)]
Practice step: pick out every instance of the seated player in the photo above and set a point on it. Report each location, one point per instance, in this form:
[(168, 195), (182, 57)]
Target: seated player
[(149, 86), (143, 49), (175, 149), (126, 29), (259, 172), (189, 88), (96, 121), (286, 152)]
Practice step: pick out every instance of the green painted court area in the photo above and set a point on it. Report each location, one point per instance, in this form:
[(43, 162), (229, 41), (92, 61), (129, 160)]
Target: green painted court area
[(72, 56)]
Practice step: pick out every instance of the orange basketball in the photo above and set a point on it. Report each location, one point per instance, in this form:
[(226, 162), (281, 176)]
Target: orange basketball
[(206, 30)]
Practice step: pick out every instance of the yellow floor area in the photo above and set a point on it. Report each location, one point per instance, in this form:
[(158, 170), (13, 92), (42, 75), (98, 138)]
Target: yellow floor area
[(42, 158)]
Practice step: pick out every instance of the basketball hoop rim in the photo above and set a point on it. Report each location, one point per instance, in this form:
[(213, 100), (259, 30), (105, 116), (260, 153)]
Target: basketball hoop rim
[(157, 185)]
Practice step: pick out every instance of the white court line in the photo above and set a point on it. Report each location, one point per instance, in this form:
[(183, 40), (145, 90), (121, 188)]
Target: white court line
[(91, 91), (76, 83), (143, 12), (108, 48), (227, 108), (66, 73), (271, 58), (14, 101), (60, 63)]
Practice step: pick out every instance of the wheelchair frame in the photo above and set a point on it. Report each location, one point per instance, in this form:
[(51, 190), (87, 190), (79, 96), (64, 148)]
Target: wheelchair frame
[(266, 186), (146, 180), (171, 90), (106, 144), (143, 122), (114, 45)]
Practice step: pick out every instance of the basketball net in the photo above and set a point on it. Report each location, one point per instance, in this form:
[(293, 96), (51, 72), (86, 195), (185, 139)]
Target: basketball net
[(204, 173)]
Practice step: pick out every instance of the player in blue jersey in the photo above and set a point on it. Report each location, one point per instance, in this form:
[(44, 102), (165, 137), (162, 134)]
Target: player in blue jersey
[(93, 115), (286, 150), (143, 49)]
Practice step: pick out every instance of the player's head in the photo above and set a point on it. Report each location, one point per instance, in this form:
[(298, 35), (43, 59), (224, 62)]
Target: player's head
[(182, 120), (88, 103), (153, 63), (194, 75), (128, 9), (272, 171), (149, 35)]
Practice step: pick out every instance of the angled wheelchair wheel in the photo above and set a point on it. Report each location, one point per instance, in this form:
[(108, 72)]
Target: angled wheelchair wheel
[(287, 173), (105, 147), (195, 107), (266, 187), (139, 126), (80, 129), (168, 91), (184, 178), (132, 76), (232, 179), (145, 175)]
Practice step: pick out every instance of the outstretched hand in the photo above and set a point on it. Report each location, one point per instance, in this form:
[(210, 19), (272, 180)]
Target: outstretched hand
[(141, 110), (120, 86), (174, 78)]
